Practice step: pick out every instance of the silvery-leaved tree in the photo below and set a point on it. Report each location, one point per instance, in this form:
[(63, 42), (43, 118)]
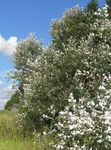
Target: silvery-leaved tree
[(27, 51)]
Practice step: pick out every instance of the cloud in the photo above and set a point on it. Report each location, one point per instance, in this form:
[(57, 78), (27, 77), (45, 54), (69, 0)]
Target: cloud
[(3, 74), (5, 94), (1, 82), (8, 47)]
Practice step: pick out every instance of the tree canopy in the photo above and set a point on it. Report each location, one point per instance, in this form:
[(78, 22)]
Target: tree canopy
[(77, 62)]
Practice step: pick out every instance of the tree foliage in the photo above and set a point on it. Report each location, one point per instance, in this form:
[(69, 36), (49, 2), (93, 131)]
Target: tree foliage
[(27, 51), (108, 2), (77, 61), (92, 6)]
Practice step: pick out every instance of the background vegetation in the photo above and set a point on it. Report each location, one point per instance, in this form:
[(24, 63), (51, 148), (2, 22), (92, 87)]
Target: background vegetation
[(77, 61)]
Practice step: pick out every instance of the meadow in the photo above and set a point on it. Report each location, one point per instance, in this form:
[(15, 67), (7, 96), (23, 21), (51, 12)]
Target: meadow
[(11, 137)]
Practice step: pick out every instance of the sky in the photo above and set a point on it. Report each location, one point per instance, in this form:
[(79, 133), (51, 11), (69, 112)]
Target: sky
[(17, 19)]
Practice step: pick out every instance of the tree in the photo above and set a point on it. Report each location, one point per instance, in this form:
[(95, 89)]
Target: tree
[(74, 23), (27, 51), (108, 2), (75, 62), (92, 6), (85, 122), (15, 100)]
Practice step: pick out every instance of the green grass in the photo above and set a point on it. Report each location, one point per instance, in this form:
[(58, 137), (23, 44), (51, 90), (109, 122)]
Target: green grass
[(16, 144), (11, 137)]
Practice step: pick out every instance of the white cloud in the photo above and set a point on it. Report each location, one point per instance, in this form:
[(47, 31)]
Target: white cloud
[(1, 82), (3, 74), (5, 94), (8, 47)]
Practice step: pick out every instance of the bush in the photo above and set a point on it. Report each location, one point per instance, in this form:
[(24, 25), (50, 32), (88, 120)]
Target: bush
[(85, 124)]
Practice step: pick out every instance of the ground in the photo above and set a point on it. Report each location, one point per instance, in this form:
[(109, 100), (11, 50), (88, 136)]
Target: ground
[(11, 137)]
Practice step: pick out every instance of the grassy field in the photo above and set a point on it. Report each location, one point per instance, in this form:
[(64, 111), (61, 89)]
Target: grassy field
[(12, 139)]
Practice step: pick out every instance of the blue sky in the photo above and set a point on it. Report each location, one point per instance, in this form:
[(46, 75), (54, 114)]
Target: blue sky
[(18, 19)]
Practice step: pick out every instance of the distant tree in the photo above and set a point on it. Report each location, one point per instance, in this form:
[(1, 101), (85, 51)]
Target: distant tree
[(108, 2), (13, 102), (92, 6)]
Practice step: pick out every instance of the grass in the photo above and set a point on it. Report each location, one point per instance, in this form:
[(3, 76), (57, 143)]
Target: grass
[(11, 137), (16, 144)]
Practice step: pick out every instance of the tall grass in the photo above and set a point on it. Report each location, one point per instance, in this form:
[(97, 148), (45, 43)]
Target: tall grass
[(11, 137)]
